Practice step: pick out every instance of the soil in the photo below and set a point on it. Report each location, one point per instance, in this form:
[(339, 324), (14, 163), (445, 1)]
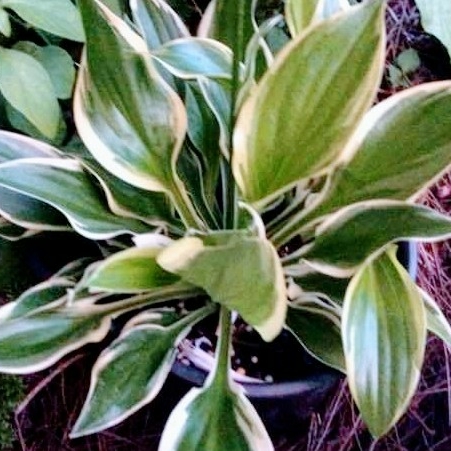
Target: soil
[(46, 416)]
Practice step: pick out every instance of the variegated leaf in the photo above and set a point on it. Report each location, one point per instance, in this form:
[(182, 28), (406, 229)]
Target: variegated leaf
[(14, 147), (190, 58), (351, 235), (229, 423), (51, 291), (125, 199), (391, 154), (30, 213), (118, 94), (325, 100), (64, 185), (436, 320), (319, 332), (229, 23), (157, 22), (37, 341), (302, 13), (131, 271), (119, 387), (240, 272), (384, 337)]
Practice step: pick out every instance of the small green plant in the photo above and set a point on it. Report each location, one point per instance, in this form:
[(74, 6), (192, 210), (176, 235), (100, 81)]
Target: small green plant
[(35, 71), (220, 171)]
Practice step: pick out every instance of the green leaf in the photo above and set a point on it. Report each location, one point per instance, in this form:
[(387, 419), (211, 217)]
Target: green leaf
[(229, 23), (60, 68), (215, 418), (435, 19), (318, 333), (119, 93), (157, 22), (20, 123), (204, 133), (190, 58), (26, 85), (5, 23), (199, 174), (384, 336), (125, 199), (52, 291), (312, 281), (30, 213), (14, 147), (348, 237), (59, 17), (130, 271), (37, 341), (56, 61), (116, 6), (436, 320), (240, 272), (132, 370), (300, 14), (327, 79), (63, 184), (217, 96), (393, 154)]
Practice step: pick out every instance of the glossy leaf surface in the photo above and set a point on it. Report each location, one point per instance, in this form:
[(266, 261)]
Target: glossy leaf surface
[(193, 57), (391, 155), (32, 343), (157, 22)]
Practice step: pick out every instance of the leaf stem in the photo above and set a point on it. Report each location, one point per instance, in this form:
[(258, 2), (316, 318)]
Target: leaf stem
[(221, 373), (185, 207), (238, 47)]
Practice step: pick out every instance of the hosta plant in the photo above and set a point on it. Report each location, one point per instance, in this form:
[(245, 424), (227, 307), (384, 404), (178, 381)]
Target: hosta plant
[(238, 173)]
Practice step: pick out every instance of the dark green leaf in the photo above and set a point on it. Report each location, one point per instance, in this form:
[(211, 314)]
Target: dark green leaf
[(318, 334)]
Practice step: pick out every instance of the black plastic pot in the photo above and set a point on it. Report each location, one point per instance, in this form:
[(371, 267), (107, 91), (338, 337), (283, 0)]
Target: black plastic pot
[(284, 405)]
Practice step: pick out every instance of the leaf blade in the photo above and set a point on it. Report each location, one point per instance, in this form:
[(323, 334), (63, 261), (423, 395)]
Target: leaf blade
[(384, 336), (264, 139)]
